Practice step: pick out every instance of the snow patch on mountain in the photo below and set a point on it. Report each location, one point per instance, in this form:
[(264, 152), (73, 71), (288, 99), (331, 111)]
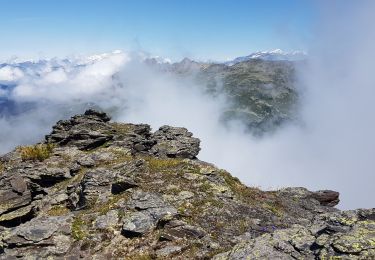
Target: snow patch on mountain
[(273, 55)]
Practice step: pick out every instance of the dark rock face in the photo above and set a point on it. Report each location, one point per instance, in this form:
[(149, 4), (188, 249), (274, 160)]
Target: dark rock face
[(97, 115), (15, 198), (327, 197), (146, 195), (177, 230), (91, 130), (86, 131)]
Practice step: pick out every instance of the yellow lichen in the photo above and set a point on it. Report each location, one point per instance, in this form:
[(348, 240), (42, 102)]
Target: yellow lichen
[(347, 221)]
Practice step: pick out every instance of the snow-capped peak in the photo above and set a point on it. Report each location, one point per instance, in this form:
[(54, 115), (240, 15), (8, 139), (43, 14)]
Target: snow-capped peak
[(276, 54), (276, 51)]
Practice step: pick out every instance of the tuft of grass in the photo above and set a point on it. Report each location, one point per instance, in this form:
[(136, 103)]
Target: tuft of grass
[(58, 211), (195, 210), (243, 225), (38, 152), (122, 128), (2, 167), (229, 179), (248, 194), (165, 164), (78, 232), (193, 250), (103, 208), (274, 207), (205, 187)]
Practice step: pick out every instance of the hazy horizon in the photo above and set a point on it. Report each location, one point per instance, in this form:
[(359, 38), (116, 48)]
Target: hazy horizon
[(215, 30)]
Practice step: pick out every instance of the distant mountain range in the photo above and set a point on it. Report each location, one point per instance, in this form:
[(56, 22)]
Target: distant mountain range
[(259, 87), (11, 70), (275, 55)]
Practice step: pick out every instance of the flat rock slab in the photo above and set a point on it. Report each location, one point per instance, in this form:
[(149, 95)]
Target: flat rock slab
[(36, 230), (137, 224)]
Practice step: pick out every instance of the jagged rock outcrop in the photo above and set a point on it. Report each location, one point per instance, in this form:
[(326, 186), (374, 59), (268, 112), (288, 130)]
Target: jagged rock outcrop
[(175, 142), (86, 131), (106, 190)]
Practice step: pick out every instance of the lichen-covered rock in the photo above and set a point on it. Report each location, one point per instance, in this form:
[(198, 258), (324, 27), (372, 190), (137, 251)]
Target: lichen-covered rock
[(175, 230), (46, 176), (108, 220), (137, 138), (15, 197), (354, 240), (86, 131), (153, 204), (168, 251), (118, 191), (175, 142), (96, 185), (138, 223), (41, 237), (14, 192)]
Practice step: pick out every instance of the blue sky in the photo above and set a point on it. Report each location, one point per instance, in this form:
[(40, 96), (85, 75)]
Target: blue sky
[(205, 29)]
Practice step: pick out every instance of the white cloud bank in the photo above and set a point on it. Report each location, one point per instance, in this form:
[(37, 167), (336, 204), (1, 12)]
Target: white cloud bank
[(10, 74)]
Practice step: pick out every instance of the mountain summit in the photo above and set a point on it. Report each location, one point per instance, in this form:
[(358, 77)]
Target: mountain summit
[(96, 189)]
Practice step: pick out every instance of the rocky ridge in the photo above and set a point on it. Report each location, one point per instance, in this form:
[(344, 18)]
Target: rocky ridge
[(108, 190)]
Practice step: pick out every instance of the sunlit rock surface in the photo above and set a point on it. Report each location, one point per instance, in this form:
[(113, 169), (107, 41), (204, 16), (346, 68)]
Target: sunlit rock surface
[(106, 190)]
